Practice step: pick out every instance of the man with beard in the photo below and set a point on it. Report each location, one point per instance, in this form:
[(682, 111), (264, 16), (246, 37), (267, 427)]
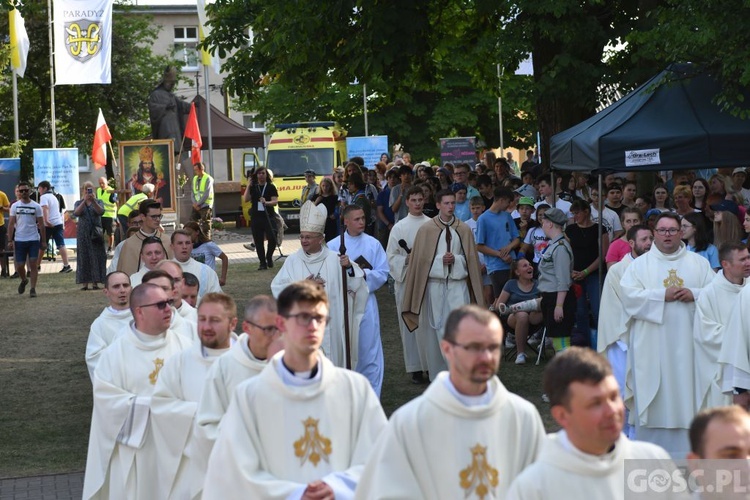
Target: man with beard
[(586, 459), (659, 290), (614, 324), (121, 461), (467, 434), (712, 312), (113, 319), (177, 395)]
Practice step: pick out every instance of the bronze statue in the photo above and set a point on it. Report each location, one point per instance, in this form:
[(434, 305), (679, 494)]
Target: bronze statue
[(167, 112)]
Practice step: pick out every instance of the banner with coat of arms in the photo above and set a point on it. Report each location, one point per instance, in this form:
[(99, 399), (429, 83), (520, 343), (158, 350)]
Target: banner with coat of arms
[(83, 41)]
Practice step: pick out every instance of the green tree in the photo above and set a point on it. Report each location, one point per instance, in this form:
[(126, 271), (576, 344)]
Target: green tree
[(135, 71)]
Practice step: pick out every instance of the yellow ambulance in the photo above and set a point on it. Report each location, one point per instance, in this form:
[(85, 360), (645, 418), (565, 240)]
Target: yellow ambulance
[(296, 147)]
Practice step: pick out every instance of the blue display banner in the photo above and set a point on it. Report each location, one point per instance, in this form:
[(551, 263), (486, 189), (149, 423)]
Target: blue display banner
[(370, 148)]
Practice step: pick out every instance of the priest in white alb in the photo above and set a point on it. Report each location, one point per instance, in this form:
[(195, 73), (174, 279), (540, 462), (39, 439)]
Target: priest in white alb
[(659, 290), (303, 428), (614, 324), (368, 253), (177, 393), (182, 246), (587, 458), (734, 355), (314, 261), (467, 436), (121, 461), (179, 325), (713, 309), (113, 319), (400, 243), (152, 252), (246, 358), (185, 310)]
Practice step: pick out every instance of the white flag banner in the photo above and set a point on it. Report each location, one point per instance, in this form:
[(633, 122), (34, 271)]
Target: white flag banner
[(83, 41)]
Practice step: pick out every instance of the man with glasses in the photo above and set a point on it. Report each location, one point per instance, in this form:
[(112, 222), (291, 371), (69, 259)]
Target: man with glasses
[(659, 290), (128, 259), (461, 176), (177, 395), (121, 458), (178, 324), (247, 357), (314, 261), (303, 428), (25, 225), (187, 311), (467, 436)]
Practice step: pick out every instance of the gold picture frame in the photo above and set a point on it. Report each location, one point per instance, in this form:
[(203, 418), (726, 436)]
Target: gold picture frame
[(149, 161)]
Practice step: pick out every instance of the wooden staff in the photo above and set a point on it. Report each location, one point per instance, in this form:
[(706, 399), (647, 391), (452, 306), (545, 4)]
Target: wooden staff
[(347, 341)]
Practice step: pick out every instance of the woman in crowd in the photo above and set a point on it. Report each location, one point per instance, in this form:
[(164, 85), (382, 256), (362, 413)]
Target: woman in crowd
[(555, 280), (683, 199), (720, 185), (644, 203), (697, 237), (264, 197), (726, 223), (92, 257), (444, 177), (520, 288), (429, 208), (661, 198), (584, 236), (338, 178), (206, 251), (700, 193), (629, 190), (620, 247), (329, 198)]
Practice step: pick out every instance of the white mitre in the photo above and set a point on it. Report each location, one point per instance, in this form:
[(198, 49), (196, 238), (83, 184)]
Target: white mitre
[(312, 217)]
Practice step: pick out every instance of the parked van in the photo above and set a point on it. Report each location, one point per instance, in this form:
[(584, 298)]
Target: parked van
[(296, 147)]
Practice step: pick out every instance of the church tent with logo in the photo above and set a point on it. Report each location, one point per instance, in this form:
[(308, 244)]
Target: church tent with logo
[(671, 122)]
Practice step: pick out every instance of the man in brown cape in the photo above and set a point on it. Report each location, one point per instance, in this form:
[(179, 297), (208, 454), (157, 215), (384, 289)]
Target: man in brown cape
[(443, 274)]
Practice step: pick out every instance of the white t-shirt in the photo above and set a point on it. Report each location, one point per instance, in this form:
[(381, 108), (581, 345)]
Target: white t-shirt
[(610, 221), (54, 216), (537, 239), (26, 215)]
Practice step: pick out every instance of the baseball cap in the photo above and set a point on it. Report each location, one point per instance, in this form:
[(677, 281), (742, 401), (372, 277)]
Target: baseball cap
[(726, 206), (309, 171), (739, 170)]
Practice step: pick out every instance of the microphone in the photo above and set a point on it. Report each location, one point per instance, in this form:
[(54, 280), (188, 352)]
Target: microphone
[(402, 244)]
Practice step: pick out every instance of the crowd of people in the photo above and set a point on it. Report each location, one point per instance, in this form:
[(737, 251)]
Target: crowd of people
[(483, 259)]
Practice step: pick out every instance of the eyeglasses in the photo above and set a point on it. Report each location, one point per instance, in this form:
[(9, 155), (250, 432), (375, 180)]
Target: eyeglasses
[(161, 305), (267, 330), (477, 349), (663, 231), (304, 319), (155, 217)]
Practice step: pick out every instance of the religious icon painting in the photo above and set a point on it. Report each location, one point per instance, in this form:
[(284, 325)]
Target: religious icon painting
[(143, 162)]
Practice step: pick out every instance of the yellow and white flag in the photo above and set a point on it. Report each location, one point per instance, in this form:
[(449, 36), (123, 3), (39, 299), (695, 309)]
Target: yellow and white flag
[(83, 41), (19, 42), (206, 58)]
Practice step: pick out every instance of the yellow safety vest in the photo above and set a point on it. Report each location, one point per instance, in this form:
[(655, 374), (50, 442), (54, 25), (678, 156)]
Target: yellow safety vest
[(132, 204), (198, 190), (109, 207)]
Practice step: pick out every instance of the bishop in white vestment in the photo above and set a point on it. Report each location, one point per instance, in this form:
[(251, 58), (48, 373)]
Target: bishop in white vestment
[(658, 290)]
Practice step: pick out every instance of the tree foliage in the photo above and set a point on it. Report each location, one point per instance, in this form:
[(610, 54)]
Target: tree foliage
[(135, 71)]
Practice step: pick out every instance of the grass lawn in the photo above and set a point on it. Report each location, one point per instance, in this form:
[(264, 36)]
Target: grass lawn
[(45, 390)]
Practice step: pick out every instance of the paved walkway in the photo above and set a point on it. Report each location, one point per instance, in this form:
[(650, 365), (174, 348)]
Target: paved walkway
[(70, 486)]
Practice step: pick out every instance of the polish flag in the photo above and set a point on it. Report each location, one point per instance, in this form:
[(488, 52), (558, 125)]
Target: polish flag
[(193, 132), (101, 138)]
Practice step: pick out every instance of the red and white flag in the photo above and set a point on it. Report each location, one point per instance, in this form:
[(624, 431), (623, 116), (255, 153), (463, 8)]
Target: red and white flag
[(101, 138), (193, 132)]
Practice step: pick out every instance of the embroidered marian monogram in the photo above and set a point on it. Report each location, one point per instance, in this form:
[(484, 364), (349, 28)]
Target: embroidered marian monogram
[(158, 363), (673, 279), (312, 445), (480, 476)]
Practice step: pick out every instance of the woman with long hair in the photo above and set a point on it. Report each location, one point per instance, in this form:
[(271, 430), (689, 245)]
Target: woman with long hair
[(329, 197), (445, 178), (264, 197), (726, 223), (721, 185), (683, 198), (696, 235), (661, 198), (584, 236), (520, 288), (620, 247), (700, 193)]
